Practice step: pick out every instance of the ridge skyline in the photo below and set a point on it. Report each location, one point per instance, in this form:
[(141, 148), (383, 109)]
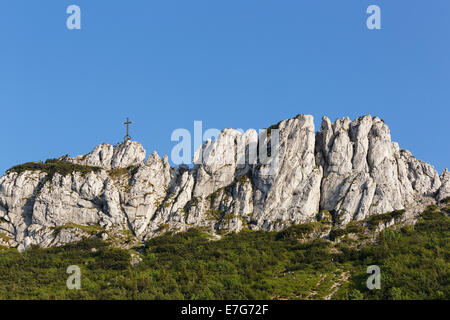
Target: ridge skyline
[(317, 125)]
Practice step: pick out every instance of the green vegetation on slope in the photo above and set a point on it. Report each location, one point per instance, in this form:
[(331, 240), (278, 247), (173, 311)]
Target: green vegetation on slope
[(118, 173), (91, 229), (52, 166), (414, 264)]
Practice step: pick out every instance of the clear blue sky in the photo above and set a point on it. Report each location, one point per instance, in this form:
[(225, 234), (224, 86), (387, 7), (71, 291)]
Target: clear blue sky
[(230, 63)]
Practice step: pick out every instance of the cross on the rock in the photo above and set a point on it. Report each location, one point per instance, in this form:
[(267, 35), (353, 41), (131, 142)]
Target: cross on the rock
[(127, 137)]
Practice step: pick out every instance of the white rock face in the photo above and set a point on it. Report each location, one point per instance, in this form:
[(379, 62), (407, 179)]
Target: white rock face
[(126, 154), (365, 173), (292, 193), (350, 168), (444, 191)]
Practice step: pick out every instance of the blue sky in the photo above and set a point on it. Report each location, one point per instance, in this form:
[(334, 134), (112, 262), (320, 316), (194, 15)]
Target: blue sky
[(234, 63)]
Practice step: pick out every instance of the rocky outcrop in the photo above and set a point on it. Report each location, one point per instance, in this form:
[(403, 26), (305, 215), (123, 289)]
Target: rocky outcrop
[(292, 193), (365, 173), (128, 153), (348, 168), (444, 190)]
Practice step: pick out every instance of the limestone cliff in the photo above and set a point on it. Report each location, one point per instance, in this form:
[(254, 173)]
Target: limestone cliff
[(348, 168)]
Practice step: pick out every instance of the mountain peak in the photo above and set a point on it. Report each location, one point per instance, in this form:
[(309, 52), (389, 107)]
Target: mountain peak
[(126, 154), (349, 169)]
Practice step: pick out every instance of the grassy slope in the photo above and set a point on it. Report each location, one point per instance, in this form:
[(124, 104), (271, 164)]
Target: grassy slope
[(414, 262)]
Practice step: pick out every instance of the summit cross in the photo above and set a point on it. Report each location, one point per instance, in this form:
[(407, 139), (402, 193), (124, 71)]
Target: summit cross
[(127, 123)]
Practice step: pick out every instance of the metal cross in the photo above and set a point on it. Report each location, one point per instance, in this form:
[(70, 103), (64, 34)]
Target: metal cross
[(127, 137)]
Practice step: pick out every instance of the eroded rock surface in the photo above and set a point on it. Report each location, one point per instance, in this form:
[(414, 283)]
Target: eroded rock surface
[(352, 169), (365, 173)]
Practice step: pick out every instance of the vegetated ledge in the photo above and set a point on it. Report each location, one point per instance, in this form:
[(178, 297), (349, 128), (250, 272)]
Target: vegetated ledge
[(121, 172), (89, 229), (53, 166), (368, 225)]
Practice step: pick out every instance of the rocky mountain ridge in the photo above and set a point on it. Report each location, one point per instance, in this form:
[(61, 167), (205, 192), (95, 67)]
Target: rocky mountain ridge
[(347, 171)]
